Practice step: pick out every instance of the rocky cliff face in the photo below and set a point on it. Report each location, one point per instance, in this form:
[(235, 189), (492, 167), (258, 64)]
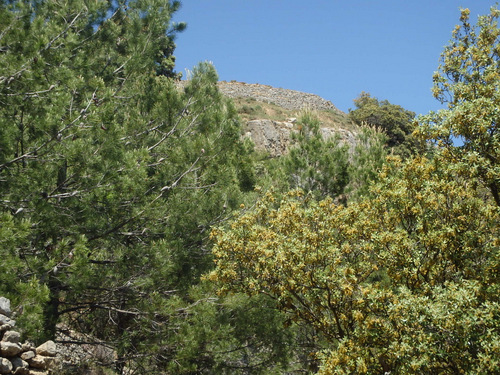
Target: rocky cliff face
[(270, 136), (274, 137)]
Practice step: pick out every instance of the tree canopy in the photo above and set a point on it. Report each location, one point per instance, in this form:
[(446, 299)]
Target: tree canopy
[(395, 121), (128, 212), (404, 280), (468, 79), (379, 278), (110, 179)]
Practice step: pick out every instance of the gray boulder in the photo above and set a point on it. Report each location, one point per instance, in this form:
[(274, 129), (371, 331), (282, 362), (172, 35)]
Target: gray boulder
[(5, 320), (42, 362), (5, 307), (5, 366), (19, 367), (28, 355), (47, 349), (9, 349), (11, 336)]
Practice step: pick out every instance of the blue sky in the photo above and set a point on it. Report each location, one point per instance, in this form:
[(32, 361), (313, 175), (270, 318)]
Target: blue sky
[(332, 48)]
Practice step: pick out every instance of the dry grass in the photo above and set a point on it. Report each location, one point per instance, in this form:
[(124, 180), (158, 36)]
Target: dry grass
[(252, 109)]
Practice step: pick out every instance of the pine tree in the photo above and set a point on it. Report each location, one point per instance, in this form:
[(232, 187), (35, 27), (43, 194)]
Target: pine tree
[(328, 166), (110, 175), (315, 164)]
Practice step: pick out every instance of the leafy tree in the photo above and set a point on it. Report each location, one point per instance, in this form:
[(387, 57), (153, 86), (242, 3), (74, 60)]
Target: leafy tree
[(406, 280), (363, 275), (468, 80), (392, 119)]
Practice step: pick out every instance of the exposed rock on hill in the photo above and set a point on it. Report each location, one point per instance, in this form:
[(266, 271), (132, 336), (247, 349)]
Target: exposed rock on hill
[(274, 137), (269, 114), (270, 136), (288, 99)]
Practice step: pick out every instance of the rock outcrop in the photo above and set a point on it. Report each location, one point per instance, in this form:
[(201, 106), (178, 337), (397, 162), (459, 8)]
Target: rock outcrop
[(275, 137), (22, 358), (270, 136)]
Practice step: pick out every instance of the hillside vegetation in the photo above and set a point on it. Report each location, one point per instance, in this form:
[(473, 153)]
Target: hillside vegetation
[(138, 222), (253, 109)]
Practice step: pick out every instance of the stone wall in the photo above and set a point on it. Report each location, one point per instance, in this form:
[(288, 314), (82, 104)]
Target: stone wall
[(22, 358)]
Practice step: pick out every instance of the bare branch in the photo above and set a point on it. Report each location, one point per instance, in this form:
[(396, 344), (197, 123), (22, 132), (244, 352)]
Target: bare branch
[(49, 44)]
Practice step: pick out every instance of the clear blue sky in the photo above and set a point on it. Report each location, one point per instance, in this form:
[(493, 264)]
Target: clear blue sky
[(332, 48)]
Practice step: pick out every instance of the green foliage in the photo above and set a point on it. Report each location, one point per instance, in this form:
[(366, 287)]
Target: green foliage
[(404, 280), (111, 177), (468, 80), (392, 119), (329, 166), (366, 160), (232, 335), (18, 284), (315, 164), (362, 275)]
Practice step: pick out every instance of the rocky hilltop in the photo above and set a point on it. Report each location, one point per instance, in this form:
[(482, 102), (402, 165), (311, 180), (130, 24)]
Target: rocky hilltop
[(270, 114), (287, 99)]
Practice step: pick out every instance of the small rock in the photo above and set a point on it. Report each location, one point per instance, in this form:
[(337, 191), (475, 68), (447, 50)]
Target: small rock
[(9, 349), (4, 327), (41, 362), (36, 372), (5, 366), (11, 336), (6, 320), (26, 346), (22, 371), (48, 349), (5, 307), (19, 367), (28, 355), (38, 361)]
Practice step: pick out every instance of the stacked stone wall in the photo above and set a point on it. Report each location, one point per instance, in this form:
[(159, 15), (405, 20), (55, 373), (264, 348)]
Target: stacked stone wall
[(22, 358)]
